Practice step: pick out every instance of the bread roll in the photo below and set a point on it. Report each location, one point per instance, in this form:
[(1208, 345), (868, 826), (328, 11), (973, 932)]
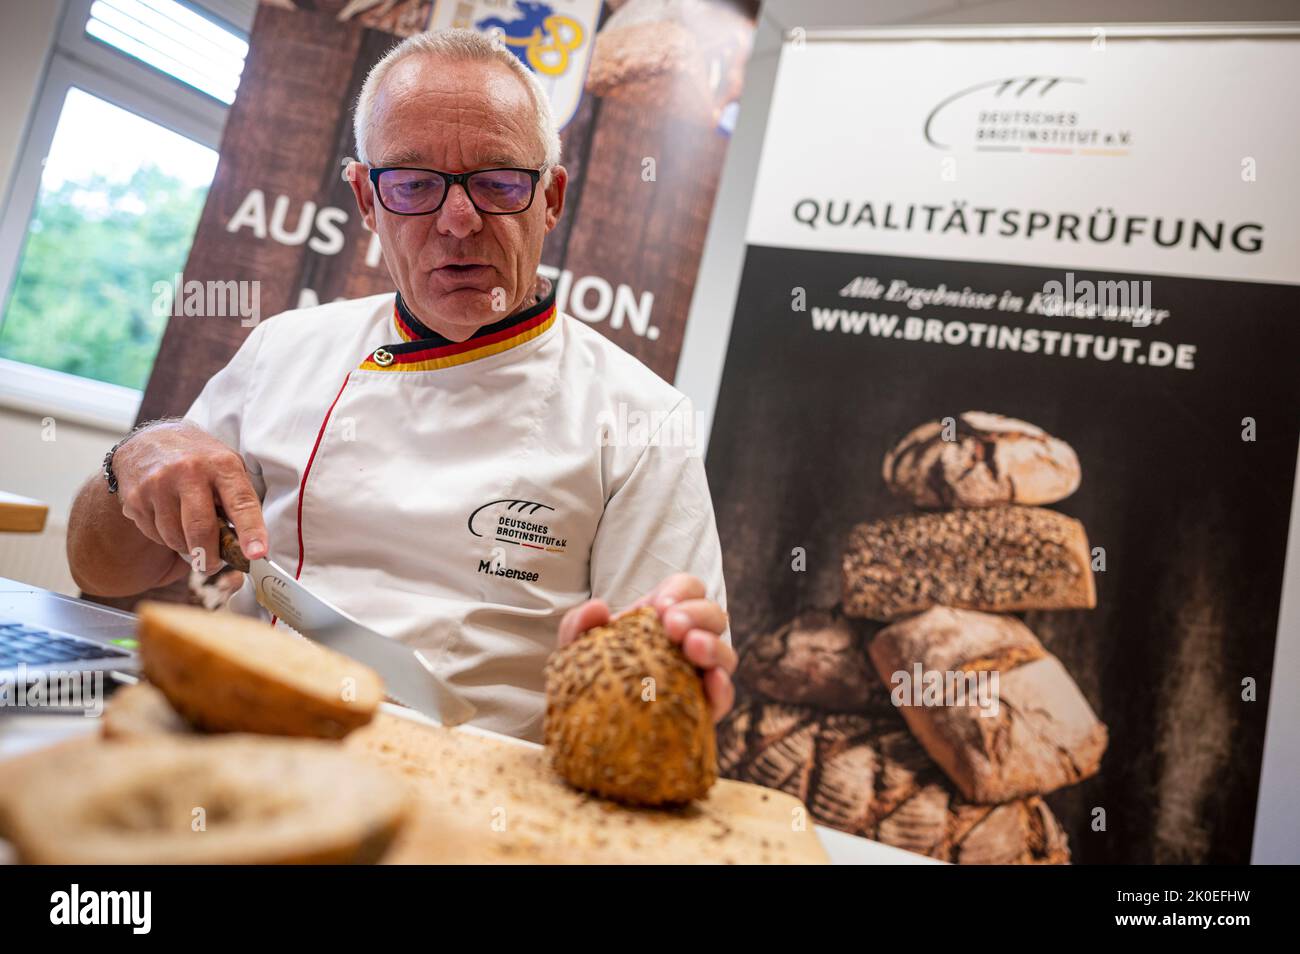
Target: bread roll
[(1040, 735), (224, 800), (626, 715), (999, 560), (991, 460), (230, 673)]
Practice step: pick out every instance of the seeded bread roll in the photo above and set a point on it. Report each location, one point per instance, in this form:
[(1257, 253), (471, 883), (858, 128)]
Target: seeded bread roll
[(626, 715), (196, 800), (867, 775), (999, 560), (230, 673), (990, 460), (816, 659), (1038, 735)]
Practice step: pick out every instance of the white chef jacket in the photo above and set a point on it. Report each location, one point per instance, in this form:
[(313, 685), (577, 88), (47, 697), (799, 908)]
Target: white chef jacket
[(461, 497)]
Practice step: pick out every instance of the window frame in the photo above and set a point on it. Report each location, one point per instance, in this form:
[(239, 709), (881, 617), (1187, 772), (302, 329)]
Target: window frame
[(79, 60)]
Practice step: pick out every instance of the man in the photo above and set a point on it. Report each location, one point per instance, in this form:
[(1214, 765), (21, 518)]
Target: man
[(459, 465)]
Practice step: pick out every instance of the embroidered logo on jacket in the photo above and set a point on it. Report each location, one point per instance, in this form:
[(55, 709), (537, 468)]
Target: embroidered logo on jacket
[(519, 522)]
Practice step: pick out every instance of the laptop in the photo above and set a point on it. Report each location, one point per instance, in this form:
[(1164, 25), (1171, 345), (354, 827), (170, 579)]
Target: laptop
[(45, 634)]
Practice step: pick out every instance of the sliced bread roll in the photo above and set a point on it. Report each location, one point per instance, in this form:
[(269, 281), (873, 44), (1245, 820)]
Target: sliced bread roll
[(230, 673), (202, 800)]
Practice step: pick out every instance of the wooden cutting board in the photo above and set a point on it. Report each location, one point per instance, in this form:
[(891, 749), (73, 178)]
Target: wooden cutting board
[(484, 801)]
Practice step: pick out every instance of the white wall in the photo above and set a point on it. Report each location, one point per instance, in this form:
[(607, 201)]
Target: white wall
[(48, 462), (49, 470), (26, 33)]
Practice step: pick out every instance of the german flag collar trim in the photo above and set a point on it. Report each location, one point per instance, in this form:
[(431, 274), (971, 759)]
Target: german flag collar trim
[(422, 349)]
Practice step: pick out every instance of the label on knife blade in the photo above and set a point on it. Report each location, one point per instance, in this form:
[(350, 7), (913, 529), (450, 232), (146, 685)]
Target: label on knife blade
[(276, 598)]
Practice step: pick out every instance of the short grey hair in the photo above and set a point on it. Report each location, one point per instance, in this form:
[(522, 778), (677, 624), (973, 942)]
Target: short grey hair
[(458, 46)]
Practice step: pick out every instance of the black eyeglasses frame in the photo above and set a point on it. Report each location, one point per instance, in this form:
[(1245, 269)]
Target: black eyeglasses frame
[(456, 178)]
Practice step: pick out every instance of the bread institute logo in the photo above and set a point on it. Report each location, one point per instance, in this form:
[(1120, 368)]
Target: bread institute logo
[(1018, 114), (519, 522)]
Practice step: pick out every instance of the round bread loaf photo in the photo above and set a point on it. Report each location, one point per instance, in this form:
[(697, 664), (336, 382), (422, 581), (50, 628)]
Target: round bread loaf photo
[(202, 800), (228, 673), (626, 715), (816, 659), (979, 459)]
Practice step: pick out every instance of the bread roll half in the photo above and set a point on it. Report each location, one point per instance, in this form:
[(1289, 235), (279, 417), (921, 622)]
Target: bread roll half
[(230, 673), (196, 800)]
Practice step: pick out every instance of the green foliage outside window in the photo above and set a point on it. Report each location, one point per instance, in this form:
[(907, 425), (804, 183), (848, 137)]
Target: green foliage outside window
[(83, 299)]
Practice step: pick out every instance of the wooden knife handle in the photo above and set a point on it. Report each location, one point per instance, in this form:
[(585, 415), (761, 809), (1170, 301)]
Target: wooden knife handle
[(230, 551)]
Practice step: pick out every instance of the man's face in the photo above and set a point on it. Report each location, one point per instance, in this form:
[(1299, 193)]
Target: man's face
[(458, 269)]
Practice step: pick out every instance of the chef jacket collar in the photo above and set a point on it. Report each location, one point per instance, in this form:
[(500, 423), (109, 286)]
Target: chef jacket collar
[(423, 349)]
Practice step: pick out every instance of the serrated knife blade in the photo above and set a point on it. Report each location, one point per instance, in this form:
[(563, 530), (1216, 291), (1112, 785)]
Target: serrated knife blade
[(408, 677)]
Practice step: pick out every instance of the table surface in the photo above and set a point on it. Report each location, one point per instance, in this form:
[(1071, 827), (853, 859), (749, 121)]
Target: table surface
[(21, 514), (26, 732)]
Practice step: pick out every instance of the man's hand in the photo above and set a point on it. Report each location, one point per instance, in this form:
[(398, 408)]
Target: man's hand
[(172, 477), (689, 619)]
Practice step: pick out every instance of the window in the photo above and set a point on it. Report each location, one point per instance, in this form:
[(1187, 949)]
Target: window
[(173, 38), (106, 194), (119, 200)]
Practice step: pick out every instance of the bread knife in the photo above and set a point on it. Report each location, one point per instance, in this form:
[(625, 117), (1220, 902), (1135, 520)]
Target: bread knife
[(408, 677)]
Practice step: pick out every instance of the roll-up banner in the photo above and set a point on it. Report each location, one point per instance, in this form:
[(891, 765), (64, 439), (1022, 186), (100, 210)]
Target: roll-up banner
[(645, 92), (1005, 444)]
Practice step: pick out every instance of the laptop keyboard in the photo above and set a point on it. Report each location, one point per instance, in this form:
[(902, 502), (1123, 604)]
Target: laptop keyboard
[(34, 646)]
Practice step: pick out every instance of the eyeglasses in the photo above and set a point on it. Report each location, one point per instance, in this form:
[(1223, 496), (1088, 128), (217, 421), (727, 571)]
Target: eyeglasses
[(403, 190)]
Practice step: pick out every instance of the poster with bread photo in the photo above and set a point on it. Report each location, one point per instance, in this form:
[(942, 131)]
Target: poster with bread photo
[(1005, 445)]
